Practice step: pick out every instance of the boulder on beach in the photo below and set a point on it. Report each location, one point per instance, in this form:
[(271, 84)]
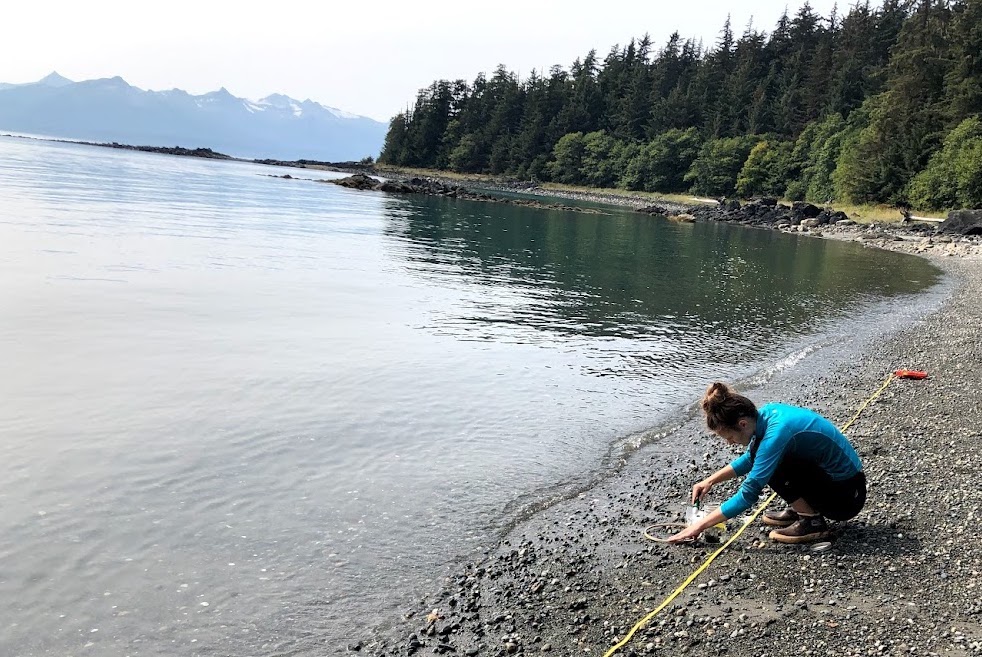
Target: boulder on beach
[(396, 187), (654, 209), (824, 217), (963, 222), (801, 210), (357, 181)]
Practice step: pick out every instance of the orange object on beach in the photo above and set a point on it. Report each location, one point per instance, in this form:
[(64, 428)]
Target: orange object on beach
[(910, 374)]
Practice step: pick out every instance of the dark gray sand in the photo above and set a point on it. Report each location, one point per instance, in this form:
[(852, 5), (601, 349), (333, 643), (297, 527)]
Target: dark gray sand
[(903, 578)]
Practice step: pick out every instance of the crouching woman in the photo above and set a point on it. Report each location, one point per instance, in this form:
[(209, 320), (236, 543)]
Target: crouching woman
[(801, 455)]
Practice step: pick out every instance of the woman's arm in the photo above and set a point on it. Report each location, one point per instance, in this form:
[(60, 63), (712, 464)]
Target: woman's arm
[(692, 531), (698, 492), (723, 474)]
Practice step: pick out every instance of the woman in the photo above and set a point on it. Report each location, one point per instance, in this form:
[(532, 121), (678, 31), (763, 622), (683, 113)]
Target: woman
[(797, 452)]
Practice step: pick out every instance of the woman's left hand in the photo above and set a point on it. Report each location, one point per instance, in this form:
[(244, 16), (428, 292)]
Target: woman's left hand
[(690, 533)]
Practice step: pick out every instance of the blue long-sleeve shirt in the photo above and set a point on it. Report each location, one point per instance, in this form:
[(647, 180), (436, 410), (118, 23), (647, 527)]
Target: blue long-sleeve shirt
[(783, 430)]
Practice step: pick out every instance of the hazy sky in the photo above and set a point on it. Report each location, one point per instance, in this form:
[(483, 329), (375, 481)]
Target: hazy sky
[(364, 57)]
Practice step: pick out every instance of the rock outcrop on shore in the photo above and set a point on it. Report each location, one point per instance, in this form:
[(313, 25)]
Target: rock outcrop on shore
[(431, 187), (963, 222), (958, 235), (768, 212)]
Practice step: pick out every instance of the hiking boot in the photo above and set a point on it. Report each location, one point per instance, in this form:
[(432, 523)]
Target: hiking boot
[(783, 518), (806, 530)]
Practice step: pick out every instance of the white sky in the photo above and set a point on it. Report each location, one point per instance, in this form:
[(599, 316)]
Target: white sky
[(369, 58)]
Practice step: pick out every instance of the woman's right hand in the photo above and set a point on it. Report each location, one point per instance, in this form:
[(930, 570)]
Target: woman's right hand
[(700, 489)]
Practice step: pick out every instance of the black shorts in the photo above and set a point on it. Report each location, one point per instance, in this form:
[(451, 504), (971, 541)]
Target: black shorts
[(836, 500)]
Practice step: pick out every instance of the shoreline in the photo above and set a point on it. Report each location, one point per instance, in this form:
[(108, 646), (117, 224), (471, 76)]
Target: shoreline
[(914, 237), (573, 578)]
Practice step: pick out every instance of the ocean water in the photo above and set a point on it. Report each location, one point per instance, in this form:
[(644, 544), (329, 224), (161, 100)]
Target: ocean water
[(244, 415)]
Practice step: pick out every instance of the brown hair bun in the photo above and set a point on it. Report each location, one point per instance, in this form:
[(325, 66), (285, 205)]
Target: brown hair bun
[(724, 407)]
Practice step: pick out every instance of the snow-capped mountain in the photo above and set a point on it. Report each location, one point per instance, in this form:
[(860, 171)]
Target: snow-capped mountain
[(110, 110)]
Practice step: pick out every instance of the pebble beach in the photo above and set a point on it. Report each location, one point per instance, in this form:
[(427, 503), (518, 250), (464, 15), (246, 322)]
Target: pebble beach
[(903, 578)]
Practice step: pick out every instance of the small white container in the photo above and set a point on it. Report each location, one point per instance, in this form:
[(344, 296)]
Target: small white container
[(694, 514), (710, 534)]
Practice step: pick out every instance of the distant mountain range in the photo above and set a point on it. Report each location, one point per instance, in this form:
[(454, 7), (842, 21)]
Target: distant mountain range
[(110, 110)]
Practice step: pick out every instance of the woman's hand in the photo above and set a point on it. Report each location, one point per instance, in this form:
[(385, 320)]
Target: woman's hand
[(690, 533), (700, 489)]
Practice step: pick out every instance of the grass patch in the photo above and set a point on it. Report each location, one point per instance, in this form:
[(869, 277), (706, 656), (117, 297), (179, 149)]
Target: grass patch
[(685, 199), (868, 214)]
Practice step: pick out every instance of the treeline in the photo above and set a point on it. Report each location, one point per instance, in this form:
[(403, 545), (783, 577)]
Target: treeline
[(881, 105)]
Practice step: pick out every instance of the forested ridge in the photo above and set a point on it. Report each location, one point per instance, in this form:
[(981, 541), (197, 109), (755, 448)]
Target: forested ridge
[(878, 105)]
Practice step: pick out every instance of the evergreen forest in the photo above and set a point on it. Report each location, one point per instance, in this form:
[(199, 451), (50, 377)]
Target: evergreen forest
[(878, 105)]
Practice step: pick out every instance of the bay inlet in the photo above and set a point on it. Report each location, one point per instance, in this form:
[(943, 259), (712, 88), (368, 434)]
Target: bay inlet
[(248, 415)]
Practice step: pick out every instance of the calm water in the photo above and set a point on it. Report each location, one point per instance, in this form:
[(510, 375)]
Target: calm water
[(243, 415)]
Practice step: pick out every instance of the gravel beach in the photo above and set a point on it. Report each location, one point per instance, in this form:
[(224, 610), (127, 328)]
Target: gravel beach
[(903, 578)]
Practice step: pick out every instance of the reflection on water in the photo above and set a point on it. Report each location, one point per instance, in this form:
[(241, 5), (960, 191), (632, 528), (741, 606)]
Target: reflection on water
[(646, 295), (247, 415)]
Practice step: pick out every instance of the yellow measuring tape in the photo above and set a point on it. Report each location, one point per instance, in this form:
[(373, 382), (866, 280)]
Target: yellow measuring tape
[(705, 564)]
